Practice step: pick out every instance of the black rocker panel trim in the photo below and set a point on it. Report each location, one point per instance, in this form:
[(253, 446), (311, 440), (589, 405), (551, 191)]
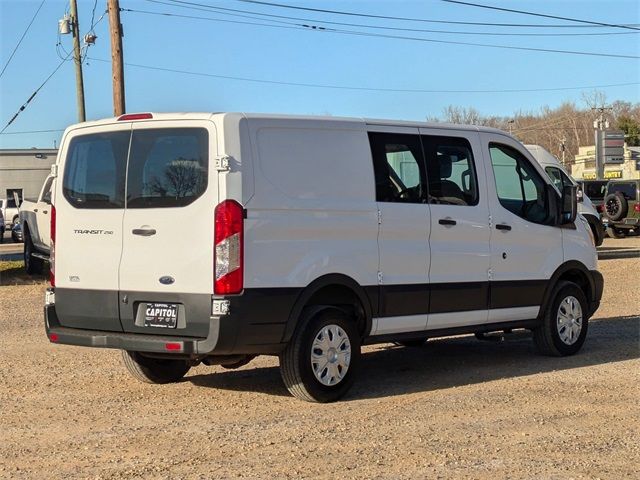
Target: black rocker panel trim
[(513, 294), (459, 297)]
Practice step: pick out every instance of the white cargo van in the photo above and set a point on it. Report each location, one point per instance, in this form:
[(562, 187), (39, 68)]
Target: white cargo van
[(307, 238)]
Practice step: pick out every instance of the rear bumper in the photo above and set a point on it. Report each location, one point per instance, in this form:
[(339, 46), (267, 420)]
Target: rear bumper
[(250, 327), (129, 341), (629, 222)]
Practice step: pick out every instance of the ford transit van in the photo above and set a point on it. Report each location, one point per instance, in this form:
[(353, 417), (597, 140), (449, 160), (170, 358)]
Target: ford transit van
[(308, 237)]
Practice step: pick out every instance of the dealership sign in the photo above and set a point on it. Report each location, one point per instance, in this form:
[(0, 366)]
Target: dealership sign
[(609, 174), (612, 146)]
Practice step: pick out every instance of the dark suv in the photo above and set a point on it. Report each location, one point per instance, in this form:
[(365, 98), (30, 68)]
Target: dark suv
[(621, 208), (595, 190)]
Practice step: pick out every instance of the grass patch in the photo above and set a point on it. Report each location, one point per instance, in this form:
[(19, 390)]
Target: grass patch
[(12, 273)]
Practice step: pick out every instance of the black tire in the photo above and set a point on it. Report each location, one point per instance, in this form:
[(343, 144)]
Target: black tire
[(32, 265), (614, 232), (615, 206), (296, 365), (154, 370), (413, 343), (1, 233), (547, 337)]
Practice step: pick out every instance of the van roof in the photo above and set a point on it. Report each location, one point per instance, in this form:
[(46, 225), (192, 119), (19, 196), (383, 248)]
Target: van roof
[(367, 121)]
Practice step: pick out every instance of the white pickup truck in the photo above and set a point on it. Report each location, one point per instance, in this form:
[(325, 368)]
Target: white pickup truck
[(35, 221)]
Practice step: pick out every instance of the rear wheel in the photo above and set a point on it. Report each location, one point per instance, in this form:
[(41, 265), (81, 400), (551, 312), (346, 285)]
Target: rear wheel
[(565, 322), (614, 232), (154, 370), (321, 361), (32, 265)]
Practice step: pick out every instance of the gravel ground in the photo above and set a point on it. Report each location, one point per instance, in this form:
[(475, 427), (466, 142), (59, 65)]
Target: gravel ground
[(456, 408)]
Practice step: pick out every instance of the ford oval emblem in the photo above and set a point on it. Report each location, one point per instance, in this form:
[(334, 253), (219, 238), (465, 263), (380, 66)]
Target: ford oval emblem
[(167, 280)]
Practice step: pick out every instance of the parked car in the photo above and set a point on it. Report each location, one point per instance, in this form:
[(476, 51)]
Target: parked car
[(622, 207), (9, 209), (308, 237), (561, 178), (35, 219), (595, 190), (16, 233)]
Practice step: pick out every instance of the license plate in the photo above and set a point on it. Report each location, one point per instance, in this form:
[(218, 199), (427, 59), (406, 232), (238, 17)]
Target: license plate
[(161, 315)]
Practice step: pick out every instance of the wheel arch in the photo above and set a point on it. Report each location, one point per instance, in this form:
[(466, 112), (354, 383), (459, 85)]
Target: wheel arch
[(335, 291), (572, 271)]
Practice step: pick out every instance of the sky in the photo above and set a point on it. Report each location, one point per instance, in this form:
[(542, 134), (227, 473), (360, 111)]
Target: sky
[(296, 54)]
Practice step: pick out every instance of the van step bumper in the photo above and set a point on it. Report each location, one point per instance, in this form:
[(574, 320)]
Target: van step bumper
[(129, 341)]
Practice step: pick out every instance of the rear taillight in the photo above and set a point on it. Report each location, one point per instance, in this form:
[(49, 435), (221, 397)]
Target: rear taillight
[(228, 261), (599, 208), (52, 249), (636, 207)]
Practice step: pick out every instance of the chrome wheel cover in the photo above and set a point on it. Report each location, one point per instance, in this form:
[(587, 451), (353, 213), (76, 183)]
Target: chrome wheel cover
[(569, 320), (330, 355)]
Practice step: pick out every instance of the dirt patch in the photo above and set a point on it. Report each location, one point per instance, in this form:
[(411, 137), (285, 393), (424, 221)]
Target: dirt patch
[(456, 408)]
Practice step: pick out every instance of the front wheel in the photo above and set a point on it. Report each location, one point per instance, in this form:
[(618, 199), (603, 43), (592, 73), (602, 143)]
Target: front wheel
[(154, 370), (615, 232), (321, 361), (565, 322)]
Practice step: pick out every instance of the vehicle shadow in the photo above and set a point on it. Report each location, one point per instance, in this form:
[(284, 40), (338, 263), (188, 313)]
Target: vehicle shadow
[(452, 362)]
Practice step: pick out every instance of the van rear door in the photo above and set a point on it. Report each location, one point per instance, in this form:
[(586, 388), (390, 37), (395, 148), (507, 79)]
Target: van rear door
[(166, 269), (89, 202)]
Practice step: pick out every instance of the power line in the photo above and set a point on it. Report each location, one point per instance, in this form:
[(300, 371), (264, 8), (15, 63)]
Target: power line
[(266, 16), (355, 14), (22, 38), (396, 37), (32, 131), (346, 87), (24, 105), (555, 17)]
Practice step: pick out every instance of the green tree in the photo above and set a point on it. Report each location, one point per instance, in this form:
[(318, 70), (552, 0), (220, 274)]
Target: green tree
[(631, 128)]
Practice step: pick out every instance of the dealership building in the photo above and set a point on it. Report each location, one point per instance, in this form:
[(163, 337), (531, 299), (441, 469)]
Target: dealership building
[(24, 171), (627, 167)]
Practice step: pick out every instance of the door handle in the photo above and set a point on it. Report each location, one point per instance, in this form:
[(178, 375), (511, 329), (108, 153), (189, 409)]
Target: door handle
[(503, 226), (447, 221), (45, 212), (35, 210), (144, 232)]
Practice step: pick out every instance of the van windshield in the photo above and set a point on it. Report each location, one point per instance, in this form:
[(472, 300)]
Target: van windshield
[(166, 167)]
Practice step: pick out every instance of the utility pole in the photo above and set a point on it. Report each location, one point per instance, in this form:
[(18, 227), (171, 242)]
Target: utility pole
[(75, 28), (117, 66), (600, 124), (562, 149)]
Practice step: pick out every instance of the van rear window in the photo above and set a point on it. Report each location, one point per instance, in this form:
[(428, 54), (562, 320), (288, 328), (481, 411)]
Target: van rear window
[(166, 167), (94, 172)]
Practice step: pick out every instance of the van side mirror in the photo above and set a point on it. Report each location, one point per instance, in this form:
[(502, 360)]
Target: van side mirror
[(568, 205), (580, 195)]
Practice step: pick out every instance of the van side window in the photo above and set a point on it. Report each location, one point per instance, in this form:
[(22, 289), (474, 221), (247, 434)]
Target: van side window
[(520, 188), (399, 167), (450, 170), (558, 177), (94, 172)]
